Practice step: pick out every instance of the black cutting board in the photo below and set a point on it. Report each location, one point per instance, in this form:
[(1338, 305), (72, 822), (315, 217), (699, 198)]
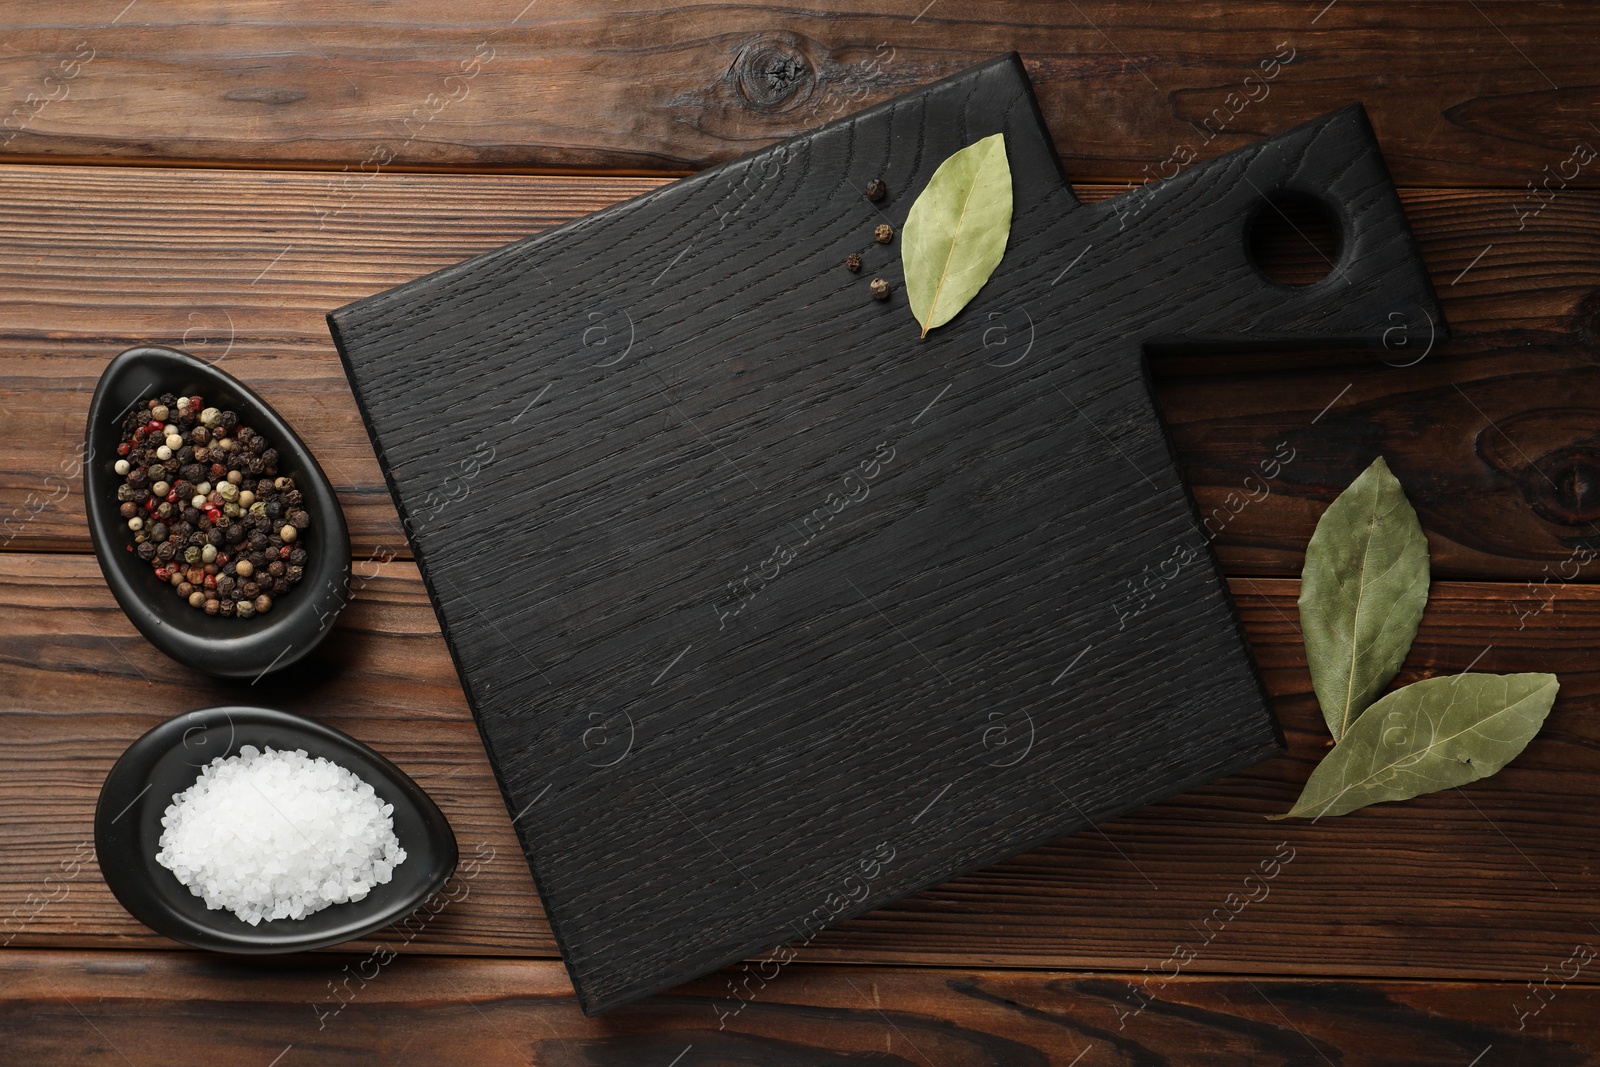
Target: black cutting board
[(769, 611)]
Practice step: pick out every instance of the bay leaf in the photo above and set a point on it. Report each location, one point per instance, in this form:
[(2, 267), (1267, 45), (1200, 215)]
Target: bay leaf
[(1429, 735), (956, 231), (1362, 591)]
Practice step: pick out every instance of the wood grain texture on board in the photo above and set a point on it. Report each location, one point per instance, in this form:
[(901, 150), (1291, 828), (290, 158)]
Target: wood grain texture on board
[(1504, 865), (242, 266), (730, 409), (348, 1009), (1491, 92)]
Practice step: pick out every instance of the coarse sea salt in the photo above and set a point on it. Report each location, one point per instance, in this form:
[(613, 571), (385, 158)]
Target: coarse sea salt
[(278, 835)]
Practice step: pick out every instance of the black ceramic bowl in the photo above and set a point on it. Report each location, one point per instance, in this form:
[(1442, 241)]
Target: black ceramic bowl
[(168, 759), (228, 648)]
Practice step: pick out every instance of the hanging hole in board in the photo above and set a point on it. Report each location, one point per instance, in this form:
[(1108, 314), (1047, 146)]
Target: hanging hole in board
[(1294, 239)]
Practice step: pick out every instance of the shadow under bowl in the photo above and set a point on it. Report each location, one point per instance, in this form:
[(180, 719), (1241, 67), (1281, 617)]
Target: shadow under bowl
[(168, 759), (227, 648)]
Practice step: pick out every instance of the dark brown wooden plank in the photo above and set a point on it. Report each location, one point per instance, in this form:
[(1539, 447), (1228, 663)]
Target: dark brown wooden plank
[(97, 259), (1499, 91), (1504, 865), (97, 1007)]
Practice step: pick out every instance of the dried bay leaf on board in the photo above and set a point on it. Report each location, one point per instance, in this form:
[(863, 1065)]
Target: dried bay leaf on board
[(955, 234)]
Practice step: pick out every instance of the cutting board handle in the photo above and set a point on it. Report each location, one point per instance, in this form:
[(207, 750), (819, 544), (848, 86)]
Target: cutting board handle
[(1189, 235)]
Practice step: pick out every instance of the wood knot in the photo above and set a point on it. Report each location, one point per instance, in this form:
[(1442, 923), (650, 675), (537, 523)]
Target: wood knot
[(774, 73), (1562, 484)]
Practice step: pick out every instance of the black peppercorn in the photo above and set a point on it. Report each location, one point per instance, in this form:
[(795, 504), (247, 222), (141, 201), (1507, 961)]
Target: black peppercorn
[(876, 190), (852, 263), (146, 551), (880, 289), (883, 234)]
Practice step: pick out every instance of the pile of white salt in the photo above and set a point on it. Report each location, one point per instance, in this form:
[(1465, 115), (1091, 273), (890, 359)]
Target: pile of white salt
[(278, 835)]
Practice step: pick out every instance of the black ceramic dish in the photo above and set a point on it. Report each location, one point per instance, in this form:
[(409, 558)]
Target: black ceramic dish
[(228, 648), (167, 760)]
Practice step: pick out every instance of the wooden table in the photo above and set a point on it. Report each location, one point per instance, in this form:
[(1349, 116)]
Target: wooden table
[(217, 176)]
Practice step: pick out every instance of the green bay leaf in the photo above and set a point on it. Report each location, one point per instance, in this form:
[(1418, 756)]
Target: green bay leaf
[(1429, 735), (956, 231), (1362, 592)]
